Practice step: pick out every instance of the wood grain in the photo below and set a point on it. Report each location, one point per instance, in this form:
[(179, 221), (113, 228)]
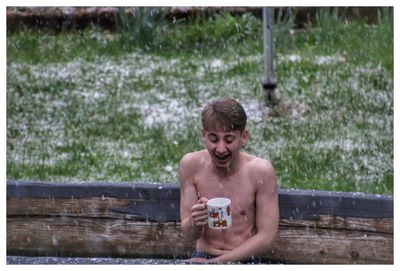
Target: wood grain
[(78, 236), (121, 220)]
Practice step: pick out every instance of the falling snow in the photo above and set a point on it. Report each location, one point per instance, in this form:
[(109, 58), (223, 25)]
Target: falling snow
[(165, 103)]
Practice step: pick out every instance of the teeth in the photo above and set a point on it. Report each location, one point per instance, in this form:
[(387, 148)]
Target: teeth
[(222, 157)]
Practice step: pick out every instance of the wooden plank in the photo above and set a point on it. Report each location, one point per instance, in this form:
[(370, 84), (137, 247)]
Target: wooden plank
[(110, 208), (382, 225), (120, 237), (105, 220), (70, 236), (86, 207), (304, 204), (322, 246), (26, 189), (295, 204), (153, 210)]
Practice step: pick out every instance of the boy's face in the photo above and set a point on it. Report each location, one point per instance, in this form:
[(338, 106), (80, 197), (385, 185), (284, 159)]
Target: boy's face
[(224, 146)]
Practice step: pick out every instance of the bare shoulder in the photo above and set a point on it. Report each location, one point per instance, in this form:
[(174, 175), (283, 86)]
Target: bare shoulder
[(261, 169), (190, 164), (192, 158), (259, 165)]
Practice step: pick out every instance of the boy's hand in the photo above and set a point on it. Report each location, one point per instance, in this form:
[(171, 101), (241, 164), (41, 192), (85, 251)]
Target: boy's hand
[(199, 212), (196, 260)]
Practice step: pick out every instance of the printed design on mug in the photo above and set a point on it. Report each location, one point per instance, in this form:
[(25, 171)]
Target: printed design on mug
[(214, 215), (219, 217), (219, 213), (219, 224)]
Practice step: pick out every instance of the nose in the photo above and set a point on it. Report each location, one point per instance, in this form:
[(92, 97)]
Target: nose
[(221, 147)]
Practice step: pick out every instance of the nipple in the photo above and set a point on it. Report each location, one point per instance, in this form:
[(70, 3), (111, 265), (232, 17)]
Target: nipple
[(243, 212)]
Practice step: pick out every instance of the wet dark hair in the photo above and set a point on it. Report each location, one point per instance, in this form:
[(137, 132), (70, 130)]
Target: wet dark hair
[(224, 113)]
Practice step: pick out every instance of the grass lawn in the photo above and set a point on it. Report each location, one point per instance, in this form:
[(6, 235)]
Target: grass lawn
[(94, 106)]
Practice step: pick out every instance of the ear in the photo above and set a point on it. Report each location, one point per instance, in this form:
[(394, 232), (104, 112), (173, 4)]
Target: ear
[(245, 136), (203, 135)]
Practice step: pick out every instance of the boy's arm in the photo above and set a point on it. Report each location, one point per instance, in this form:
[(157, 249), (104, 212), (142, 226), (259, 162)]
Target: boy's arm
[(193, 211)]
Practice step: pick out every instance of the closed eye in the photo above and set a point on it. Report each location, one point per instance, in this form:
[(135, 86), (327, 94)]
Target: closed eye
[(213, 138), (229, 139)]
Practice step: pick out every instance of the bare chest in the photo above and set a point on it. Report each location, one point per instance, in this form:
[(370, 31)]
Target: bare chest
[(238, 188)]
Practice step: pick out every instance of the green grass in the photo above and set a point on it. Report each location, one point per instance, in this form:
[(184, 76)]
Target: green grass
[(85, 106)]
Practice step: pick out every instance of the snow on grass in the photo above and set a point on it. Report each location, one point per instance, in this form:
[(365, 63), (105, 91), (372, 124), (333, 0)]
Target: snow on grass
[(165, 92), (317, 60)]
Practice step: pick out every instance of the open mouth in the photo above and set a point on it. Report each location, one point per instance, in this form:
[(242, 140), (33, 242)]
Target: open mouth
[(222, 157)]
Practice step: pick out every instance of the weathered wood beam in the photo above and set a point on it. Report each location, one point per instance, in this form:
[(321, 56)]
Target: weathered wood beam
[(325, 246), (163, 199), (105, 208), (378, 225), (69, 236), (79, 236), (136, 220)]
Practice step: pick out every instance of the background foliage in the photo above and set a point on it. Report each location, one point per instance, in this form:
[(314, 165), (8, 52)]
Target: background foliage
[(96, 105)]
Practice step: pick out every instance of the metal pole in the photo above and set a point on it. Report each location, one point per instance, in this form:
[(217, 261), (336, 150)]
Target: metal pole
[(269, 82)]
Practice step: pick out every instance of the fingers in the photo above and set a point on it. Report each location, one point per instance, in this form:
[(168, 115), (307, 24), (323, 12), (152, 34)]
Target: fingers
[(195, 260), (201, 205), (199, 219), (198, 260), (201, 208), (199, 212), (202, 200)]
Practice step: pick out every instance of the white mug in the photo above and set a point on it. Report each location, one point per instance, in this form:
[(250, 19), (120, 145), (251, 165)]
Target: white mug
[(219, 213)]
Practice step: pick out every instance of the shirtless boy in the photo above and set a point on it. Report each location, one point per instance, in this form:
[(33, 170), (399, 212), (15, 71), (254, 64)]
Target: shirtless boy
[(222, 170)]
